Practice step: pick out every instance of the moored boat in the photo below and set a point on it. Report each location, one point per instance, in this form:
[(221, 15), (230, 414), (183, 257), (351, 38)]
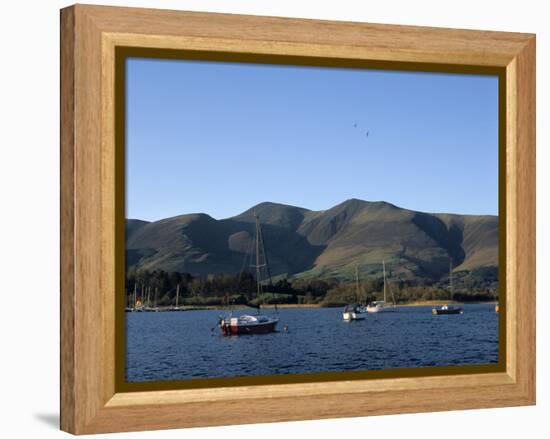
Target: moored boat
[(137, 305), (377, 306), (248, 324), (259, 323), (448, 309), (176, 307), (380, 305), (355, 311), (155, 307)]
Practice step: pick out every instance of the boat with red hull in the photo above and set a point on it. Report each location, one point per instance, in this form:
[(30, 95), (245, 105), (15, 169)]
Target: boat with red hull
[(259, 323)]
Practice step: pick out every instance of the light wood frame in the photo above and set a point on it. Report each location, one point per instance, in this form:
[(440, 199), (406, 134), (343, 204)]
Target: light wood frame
[(89, 38)]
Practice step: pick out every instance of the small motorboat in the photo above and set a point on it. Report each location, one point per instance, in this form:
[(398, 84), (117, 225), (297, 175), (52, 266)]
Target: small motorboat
[(446, 309), (354, 312)]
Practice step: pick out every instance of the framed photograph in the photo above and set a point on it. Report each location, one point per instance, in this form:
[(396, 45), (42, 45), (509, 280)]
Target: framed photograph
[(292, 219)]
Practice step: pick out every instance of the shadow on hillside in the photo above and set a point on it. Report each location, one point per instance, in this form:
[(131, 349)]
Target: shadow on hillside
[(450, 239), (288, 251)]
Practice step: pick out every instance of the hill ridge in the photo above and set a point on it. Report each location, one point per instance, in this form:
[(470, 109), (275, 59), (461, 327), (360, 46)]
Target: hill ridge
[(325, 243)]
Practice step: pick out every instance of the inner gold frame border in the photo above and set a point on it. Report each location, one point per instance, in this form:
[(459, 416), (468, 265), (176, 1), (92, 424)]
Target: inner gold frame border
[(122, 54), (94, 39)]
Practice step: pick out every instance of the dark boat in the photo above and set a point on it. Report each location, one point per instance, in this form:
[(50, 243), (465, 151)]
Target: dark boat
[(355, 311), (259, 323), (445, 309), (448, 309)]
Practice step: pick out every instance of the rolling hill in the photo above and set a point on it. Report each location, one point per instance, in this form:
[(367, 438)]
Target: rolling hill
[(319, 244)]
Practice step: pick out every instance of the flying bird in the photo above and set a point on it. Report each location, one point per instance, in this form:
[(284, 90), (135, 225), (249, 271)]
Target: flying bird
[(355, 126)]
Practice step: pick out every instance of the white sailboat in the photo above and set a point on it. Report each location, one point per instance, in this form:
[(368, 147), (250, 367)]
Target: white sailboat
[(177, 307), (448, 309), (148, 307), (380, 305), (153, 308), (133, 296), (355, 311)]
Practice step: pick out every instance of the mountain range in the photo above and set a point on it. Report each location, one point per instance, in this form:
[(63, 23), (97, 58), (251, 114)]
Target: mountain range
[(302, 243)]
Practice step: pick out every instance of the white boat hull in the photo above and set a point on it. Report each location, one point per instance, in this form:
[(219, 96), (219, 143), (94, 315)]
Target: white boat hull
[(354, 315), (380, 308)]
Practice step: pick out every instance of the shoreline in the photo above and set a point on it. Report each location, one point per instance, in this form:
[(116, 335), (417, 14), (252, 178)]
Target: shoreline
[(316, 305), (447, 302), (405, 304)]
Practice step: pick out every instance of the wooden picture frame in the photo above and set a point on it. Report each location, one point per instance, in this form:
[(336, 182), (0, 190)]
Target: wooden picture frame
[(91, 399)]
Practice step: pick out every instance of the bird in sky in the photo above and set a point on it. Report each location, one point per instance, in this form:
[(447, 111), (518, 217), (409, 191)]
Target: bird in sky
[(355, 126)]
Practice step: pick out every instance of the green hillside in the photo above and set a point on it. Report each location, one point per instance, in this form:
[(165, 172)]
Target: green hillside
[(328, 244)]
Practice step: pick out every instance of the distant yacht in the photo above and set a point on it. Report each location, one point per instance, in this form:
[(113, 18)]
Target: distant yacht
[(448, 309), (259, 323), (137, 305), (380, 305), (155, 307), (355, 311), (177, 307)]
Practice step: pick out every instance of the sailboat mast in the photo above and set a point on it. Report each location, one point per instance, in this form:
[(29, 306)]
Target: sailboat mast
[(135, 294), (177, 294), (451, 276), (384, 271), (357, 283), (257, 255)]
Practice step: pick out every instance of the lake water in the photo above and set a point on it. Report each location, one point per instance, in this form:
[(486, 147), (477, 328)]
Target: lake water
[(186, 345)]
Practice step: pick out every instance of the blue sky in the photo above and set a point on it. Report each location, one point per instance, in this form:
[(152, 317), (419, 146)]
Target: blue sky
[(219, 138)]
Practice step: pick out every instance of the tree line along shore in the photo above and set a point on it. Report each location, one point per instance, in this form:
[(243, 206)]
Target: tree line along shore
[(162, 289)]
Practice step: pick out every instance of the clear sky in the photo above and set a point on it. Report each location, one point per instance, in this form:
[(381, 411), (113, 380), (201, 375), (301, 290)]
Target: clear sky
[(219, 138)]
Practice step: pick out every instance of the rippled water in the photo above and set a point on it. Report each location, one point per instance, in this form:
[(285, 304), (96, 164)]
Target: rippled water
[(185, 345)]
